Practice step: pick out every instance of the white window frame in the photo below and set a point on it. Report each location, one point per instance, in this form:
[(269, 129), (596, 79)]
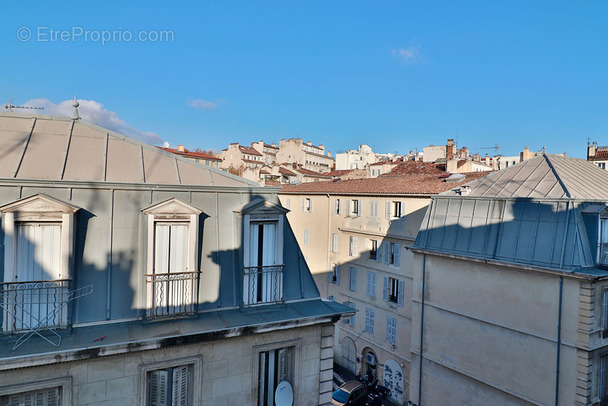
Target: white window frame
[(333, 275), (37, 209), (338, 206), (373, 249), (196, 370), (167, 212), (334, 243), (307, 204), (393, 290), (64, 384), (293, 346)]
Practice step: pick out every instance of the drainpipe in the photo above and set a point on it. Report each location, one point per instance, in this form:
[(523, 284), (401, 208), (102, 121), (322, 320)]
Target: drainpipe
[(559, 311), (421, 331)]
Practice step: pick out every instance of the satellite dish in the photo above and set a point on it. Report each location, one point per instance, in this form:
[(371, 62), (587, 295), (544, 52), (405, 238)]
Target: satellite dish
[(166, 144), (283, 396)]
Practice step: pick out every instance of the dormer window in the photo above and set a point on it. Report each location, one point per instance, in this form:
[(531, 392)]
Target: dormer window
[(263, 252), (38, 255), (603, 242)]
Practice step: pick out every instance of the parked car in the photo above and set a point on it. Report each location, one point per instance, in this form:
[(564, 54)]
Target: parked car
[(375, 395), (351, 393)]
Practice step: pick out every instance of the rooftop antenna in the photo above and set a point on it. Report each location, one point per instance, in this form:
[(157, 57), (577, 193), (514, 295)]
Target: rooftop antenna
[(10, 106)]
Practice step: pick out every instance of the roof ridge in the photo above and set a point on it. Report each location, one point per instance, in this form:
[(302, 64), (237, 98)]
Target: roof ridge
[(557, 176)]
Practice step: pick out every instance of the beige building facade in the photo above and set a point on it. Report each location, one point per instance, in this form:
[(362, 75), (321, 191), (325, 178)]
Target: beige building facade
[(510, 304), (355, 236), (309, 156)]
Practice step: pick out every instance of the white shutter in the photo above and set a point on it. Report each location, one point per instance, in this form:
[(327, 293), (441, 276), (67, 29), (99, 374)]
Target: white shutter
[(387, 252), (385, 290), (337, 274), (341, 206), (303, 204), (400, 293), (329, 273), (334, 242), (379, 252), (348, 207), (387, 211), (353, 279), (310, 205), (157, 388), (305, 237), (283, 372), (261, 378), (337, 206), (180, 388), (402, 213), (397, 253)]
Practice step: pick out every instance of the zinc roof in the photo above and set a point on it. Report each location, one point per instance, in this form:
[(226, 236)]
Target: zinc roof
[(43, 147), (544, 176)]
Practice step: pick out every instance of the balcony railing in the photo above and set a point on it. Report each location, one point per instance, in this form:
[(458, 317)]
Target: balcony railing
[(171, 294), (263, 284), (34, 304)]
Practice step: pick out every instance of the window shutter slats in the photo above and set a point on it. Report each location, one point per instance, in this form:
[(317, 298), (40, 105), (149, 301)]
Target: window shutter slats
[(385, 289), (400, 293)]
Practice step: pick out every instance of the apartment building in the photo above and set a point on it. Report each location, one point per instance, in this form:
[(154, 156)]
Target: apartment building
[(355, 236), (355, 158), (311, 157), (134, 276), (597, 154), (510, 304)]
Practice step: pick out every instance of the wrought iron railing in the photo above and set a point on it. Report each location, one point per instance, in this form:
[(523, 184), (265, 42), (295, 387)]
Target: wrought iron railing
[(171, 294), (33, 304), (263, 284)]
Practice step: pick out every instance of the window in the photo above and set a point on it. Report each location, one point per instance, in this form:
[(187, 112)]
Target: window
[(394, 209), (352, 246), (603, 379), (393, 290), (263, 252), (352, 279), (288, 203), (354, 208), (305, 239), (338, 206), (334, 243), (333, 276), (172, 252), (38, 253), (351, 320), (46, 397), (373, 208), (170, 386), (391, 330), (307, 205), (369, 321), (371, 284), (603, 243), (373, 249), (274, 366), (392, 253), (170, 383)]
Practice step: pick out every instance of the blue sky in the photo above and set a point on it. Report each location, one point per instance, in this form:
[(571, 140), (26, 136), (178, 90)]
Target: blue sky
[(397, 75)]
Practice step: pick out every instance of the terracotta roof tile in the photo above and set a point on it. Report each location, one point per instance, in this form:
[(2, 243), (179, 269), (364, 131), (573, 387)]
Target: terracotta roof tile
[(339, 172), (413, 167), (416, 184), (190, 154), (249, 150)]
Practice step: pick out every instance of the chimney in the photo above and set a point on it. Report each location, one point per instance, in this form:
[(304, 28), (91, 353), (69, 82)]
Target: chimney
[(180, 148), (450, 149)]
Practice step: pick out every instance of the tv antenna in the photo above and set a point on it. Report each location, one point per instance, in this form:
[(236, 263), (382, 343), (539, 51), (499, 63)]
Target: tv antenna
[(10, 106)]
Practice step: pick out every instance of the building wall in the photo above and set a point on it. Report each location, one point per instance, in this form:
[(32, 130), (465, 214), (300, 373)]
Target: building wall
[(321, 224), (490, 334), (228, 373)]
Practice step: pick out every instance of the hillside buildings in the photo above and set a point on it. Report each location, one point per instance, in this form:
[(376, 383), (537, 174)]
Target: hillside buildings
[(510, 298), (598, 155), (131, 275), (356, 158), (355, 236)]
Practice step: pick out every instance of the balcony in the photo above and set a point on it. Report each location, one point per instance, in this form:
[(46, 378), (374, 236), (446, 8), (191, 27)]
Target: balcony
[(171, 295), (263, 284), (34, 305)]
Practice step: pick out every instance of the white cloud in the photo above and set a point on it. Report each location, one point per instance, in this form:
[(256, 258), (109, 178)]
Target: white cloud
[(95, 113), (407, 55), (201, 104)]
